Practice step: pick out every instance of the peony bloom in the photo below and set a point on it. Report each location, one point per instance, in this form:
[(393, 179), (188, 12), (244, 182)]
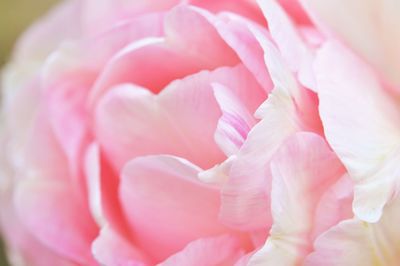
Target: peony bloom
[(199, 133)]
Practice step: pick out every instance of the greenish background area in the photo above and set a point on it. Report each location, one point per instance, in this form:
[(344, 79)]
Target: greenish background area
[(15, 16)]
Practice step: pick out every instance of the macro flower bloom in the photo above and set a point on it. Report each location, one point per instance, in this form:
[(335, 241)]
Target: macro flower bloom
[(202, 133)]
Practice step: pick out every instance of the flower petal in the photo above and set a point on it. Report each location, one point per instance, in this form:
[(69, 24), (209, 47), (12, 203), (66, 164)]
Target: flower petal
[(156, 216), (221, 250), (50, 211), (298, 183), (358, 21), (129, 119), (109, 248), (354, 242), (235, 122), (245, 201), (361, 123)]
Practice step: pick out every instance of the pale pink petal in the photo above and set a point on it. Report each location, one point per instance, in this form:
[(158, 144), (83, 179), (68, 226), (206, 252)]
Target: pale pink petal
[(22, 247), (234, 30), (369, 27), (289, 41), (164, 221), (289, 108), (102, 185), (218, 174), (296, 11), (355, 242), (190, 44), (93, 183), (66, 111), (361, 123), (111, 249), (235, 122), (189, 30), (100, 15), (52, 213), (245, 8), (221, 250), (129, 119), (334, 206), (299, 179)]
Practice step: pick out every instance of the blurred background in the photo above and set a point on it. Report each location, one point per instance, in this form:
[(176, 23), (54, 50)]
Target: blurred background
[(15, 17)]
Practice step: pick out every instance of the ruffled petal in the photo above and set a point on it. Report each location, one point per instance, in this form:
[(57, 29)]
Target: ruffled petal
[(369, 27), (129, 119), (51, 212), (355, 242), (156, 216), (298, 182), (361, 123), (221, 250), (289, 108), (111, 249)]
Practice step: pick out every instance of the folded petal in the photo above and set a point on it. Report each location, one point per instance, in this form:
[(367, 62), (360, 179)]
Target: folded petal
[(235, 122), (52, 213), (361, 123), (164, 221), (183, 49), (289, 108), (235, 32), (289, 41), (221, 250), (109, 248), (369, 27), (129, 119), (298, 183), (355, 242)]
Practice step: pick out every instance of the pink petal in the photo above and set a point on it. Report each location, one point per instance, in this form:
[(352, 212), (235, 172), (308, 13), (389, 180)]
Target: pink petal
[(156, 216), (52, 214), (244, 8), (369, 27), (361, 124), (221, 250), (111, 249), (300, 176), (99, 16), (355, 242), (334, 206), (22, 247), (290, 43), (190, 44), (102, 184), (245, 201), (234, 30), (235, 122), (129, 119)]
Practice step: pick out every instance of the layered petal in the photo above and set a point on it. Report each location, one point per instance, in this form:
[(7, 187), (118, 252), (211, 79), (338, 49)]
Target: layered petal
[(109, 248), (46, 208), (361, 123), (298, 182), (235, 122), (165, 221), (369, 27), (221, 250), (130, 119), (355, 242), (286, 35), (183, 49), (289, 108)]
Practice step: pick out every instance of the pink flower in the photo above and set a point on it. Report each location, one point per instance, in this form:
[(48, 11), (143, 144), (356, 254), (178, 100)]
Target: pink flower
[(196, 133)]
